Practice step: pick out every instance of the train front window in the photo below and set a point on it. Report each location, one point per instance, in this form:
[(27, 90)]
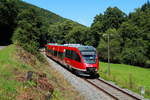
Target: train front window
[(89, 56)]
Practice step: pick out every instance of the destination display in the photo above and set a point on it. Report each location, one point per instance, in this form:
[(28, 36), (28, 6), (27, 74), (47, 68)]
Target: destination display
[(88, 53)]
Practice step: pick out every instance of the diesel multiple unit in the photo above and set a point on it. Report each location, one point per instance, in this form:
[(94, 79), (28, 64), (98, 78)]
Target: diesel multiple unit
[(79, 58)]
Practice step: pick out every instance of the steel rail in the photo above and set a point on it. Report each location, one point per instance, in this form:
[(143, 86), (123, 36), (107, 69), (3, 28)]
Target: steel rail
[(99, 88), (121, 90)]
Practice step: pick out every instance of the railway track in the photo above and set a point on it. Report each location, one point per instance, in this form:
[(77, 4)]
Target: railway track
[(113, 91)]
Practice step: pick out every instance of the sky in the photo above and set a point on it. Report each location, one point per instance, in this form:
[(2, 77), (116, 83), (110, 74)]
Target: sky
[(84, 11)]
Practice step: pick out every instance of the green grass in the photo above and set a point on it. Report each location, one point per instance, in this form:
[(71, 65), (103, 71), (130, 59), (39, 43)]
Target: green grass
[(131, 77), (8, 66), (15, 63), (7, 84)]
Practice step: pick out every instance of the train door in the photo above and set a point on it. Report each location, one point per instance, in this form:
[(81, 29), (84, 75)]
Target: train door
[(64, 58), (64, 54)]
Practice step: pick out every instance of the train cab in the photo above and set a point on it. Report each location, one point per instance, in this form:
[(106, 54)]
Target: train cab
[(89, 59)]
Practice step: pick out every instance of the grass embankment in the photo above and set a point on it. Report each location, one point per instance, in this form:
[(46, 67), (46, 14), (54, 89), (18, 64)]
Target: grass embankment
[(131, 77), (14, 65)]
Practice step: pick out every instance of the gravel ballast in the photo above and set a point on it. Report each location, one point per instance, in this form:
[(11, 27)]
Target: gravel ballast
[(86, 89)]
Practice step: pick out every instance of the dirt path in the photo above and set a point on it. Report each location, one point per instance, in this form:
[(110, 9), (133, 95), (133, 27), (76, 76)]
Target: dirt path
[(1, 47)]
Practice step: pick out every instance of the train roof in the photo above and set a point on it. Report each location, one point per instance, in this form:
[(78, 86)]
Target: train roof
[(79, 46), (85, 48)]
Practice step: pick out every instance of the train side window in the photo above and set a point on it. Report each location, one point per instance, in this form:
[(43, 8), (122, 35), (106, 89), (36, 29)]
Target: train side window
[(76, 57), (55, 53), (71, 54), (60, 55), (68, 53), (52, 52)]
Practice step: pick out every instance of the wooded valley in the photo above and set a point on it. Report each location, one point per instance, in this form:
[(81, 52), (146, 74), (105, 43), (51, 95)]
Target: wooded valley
[(31, 27)]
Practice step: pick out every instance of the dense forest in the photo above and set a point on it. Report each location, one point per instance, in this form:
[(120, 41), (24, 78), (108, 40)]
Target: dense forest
[(31, 27), (129, 35)]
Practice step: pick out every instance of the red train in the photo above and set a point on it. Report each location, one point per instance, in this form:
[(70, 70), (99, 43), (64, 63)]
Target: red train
[(79, 58)]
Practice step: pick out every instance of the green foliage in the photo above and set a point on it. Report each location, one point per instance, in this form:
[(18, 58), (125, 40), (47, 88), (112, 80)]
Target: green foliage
[(8, 14), (27, 32), (78, 34), (58, 31), (15, 12), (131, 42), (133, 56), (113, 17), (134, 48), (68, 32), (57, 94), (146, 6), (114, 45), (32, 27)]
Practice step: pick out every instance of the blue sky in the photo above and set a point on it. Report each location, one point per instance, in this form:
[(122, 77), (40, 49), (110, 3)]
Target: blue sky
[(84, 11)]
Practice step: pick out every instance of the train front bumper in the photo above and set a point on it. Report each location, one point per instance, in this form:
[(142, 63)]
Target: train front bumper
[(91, 70)]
